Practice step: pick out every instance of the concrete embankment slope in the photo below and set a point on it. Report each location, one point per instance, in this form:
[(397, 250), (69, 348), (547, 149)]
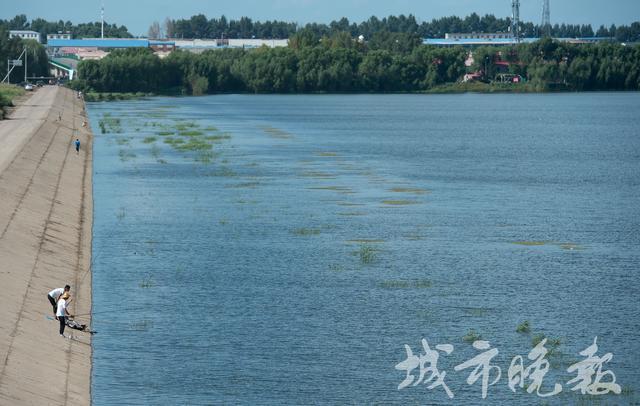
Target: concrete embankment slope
[(45, 243)]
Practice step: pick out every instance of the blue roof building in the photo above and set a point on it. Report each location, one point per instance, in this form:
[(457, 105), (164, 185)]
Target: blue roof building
[(99, 43)]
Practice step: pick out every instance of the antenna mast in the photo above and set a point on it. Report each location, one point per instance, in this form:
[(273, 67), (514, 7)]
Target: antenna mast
[(546, 19), (515, 19), (102, 20)]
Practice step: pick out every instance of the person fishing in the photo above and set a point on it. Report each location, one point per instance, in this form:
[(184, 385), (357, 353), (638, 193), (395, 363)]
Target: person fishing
[(55, 294), (62, 312)]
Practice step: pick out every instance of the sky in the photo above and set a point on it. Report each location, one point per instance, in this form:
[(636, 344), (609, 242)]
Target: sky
[(138, 15)]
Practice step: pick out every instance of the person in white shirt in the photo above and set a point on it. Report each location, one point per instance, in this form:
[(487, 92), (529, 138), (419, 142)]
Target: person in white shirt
[(54, 295), (62, 312)]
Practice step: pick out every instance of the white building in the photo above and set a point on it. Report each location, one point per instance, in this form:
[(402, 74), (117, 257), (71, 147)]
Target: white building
[(25, 34), (58, 36)]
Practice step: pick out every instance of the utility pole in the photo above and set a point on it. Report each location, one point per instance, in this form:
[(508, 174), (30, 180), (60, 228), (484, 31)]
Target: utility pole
[(25, 63), (12, 63), (515, 19)]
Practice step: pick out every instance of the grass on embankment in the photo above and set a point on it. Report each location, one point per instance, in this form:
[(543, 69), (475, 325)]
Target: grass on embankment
[(480, 87), (8, 93)]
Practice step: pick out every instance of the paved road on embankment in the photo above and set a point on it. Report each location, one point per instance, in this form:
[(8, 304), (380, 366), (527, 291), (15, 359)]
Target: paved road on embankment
[(45, 242)]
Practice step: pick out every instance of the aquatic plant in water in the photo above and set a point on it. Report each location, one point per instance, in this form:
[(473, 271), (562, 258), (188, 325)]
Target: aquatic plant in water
[(552, 344), (126, 155), (276, 132), (367, 254), (191, 133), (399, 202), (405, 284), (110, 124), (141, 325), (306, 231), (155, 151), (471, 336), (415, 191), (147, 282), (524, 327)]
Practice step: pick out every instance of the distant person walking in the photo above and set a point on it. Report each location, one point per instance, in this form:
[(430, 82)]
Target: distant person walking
[(77, 144), (55, 294), (62, 312)]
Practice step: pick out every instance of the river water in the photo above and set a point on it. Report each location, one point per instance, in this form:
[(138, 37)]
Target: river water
[(292, 262)]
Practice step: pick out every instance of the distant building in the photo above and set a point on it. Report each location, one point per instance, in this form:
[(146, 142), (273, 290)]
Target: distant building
[(257, 43), (472, 40), (24, 34), (162, 46), (58, 36), (481, 35), (199, 45)]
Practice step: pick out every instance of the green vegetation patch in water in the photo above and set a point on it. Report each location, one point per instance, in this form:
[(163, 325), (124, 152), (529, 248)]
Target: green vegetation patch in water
[(306, 231), (471, 336), (399, 202), (415, 191), (351, 213), (405, 284), (204, 157), (218, 137), (367, 254), (276, 132), (570, 246), (126, 155), (110, 124), (194, 144), (476, 311), (243, 185), (332, 188), (530, 243), (318, 175), (349, 204), (524, 327), (365, 241), (191, 133)]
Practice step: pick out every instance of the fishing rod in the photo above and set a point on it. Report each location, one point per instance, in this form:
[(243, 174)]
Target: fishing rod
[(111, 311)]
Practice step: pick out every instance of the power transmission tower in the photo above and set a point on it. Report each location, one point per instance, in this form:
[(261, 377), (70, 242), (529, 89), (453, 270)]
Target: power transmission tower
[(546, 19), (515, 19)]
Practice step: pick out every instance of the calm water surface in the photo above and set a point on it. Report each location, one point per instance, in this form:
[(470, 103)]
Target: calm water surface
[(292, 263)]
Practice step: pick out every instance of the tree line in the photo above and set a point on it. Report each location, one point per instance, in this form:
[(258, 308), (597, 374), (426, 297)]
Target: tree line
[(393, 63), (199, 26), (82, 30)]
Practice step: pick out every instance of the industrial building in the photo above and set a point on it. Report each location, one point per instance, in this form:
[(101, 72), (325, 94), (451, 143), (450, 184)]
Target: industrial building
[(471, 41)]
